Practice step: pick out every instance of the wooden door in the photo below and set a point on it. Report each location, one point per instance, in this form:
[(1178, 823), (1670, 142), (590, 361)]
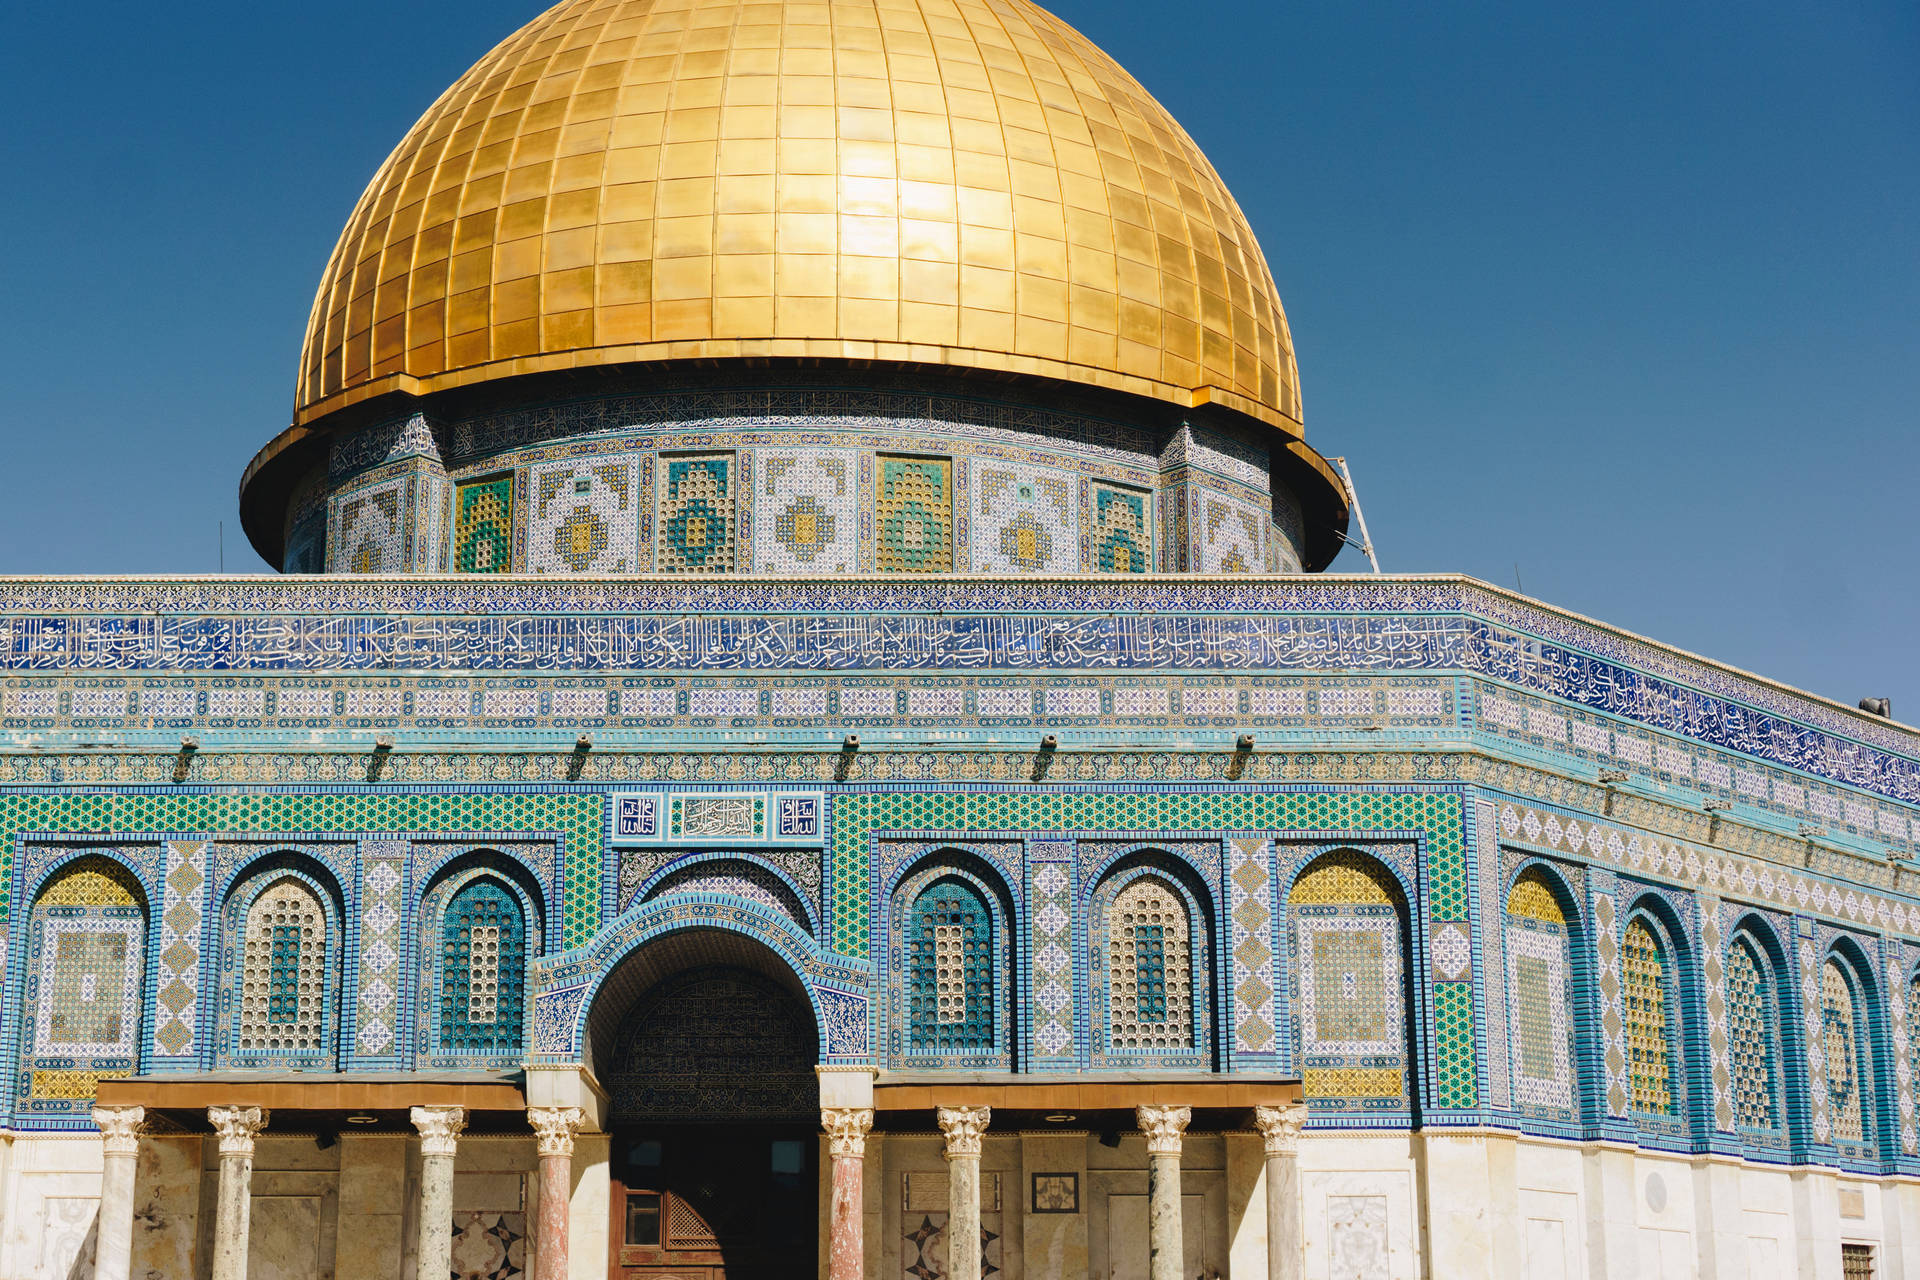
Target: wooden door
[(712, 1203)]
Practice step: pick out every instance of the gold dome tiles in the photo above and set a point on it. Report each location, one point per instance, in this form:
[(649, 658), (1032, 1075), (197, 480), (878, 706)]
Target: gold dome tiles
[(945, 183)]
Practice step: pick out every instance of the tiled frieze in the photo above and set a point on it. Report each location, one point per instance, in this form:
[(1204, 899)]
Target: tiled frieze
[(658, 626), (584, 517)]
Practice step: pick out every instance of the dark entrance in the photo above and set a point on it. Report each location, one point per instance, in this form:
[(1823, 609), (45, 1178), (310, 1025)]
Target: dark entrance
[(715, 1147)]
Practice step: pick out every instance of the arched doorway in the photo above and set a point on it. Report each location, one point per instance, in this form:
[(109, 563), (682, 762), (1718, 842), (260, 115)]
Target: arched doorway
[(707, 1043)]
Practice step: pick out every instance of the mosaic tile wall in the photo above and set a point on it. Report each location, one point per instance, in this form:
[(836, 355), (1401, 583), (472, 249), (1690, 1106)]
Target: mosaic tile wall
[(808, 509), (696, 513), (483, 512), (913, 515), (82, 993), (584, 517), (1025, 520)]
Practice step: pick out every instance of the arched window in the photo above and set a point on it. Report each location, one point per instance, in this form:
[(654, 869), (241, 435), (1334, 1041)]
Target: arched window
[(1652, 1062), (283, 973), (1752, 1038), (1349, 985), (950, 939), (1149, 969), (86, 946), (1843, 1044), (483, 966), (1538, 973)]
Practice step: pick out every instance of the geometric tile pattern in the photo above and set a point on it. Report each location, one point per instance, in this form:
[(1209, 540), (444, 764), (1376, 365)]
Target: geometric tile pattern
[(86, 944), (483, 972), (1026, 520), (1050, 917), (1230, 540), (177, 970), (373, 524), (808, 511), (1753, 1038), (284, 971), (1436, 815), (1811, 1010), (1907, 1051), (1612, 1019), (1250, 917), (950, 985), (1713, 983), (585, 517), (381, 907), (913, 524), (696, 514), (579, 818), (1486, 853), (1122, 530), (483, 526)]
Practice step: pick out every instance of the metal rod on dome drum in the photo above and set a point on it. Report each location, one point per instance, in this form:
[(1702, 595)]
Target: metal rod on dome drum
[(1353, 498)]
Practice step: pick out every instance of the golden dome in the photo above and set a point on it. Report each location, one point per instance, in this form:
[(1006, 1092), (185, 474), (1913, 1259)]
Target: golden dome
[(968, 183)]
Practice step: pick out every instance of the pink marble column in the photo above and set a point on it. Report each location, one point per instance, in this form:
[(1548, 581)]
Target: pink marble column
[(846, 1231), (553, 1130)]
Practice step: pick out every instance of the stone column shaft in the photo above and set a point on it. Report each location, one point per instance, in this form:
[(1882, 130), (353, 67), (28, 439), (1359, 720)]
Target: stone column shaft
[(236, 1127), (553, 1129), (847, 1147), (120, 1150), (440, 1129), (1280, 1130), (963, 1127), (1166, 1245)]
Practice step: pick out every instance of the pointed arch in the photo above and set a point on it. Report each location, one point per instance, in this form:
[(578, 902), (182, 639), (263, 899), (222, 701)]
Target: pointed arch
[(85, 961), (481, 927), (1351, 958), (1656, 1082), (951, 941), (1846, 1049), (1150, 968), (281, 959), (1756, 993), (1540, 977)]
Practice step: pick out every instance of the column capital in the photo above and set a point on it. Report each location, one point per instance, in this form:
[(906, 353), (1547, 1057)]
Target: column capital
[(440, 1128), (554, 1127), (963, 1127), (120, 1128), (846, 1129), (1280, 1127), (1163, 1127), (237, 1127)]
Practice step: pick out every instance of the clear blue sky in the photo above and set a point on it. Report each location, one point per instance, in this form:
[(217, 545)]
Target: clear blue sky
[(1626, 294)]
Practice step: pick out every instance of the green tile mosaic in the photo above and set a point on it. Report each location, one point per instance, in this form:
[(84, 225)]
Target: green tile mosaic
[(1438, 816), (581, 817)]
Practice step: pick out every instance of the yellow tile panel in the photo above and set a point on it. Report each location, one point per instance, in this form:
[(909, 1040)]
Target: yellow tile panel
[(962, 182)]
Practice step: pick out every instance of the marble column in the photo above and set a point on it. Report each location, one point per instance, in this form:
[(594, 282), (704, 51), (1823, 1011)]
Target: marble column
[(1164, 1127), (963, 1127), (120, 1149), (236, 1127), (553, 1130), (846, 1226), (440, 1129), (1280, 1130)]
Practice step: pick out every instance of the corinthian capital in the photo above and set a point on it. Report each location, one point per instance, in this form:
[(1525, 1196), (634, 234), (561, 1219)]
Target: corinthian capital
[(1280, 1126), (440, 1128), (846, 1129), (1163, 1127), (120, 1128), (554, 1127), (236, 1127), (963, 1127)]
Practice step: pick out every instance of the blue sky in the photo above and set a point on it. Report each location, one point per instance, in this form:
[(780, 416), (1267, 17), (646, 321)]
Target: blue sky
[(1621, 301)]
